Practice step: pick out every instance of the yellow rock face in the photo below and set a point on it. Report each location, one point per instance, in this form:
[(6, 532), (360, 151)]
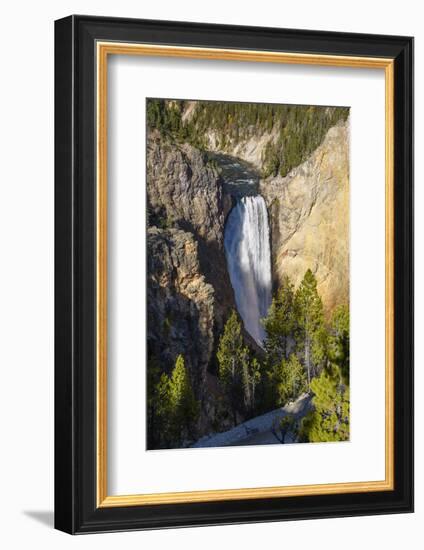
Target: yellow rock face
[(309, 218)]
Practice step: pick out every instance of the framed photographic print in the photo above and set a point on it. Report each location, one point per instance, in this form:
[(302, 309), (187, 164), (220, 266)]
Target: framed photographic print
[(234, 274)]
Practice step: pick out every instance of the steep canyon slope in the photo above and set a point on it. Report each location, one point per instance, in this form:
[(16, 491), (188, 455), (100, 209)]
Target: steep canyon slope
[(308, 208), (190, 293), (309, 213)]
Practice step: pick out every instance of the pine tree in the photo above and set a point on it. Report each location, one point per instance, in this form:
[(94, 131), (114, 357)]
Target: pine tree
[(280, 323), (154, 113), (255, 378), (251, 377), (158, 407), (238, 372), (270, 160), (184, 408), (329, 421), (311, 333), (288, 380), (245, 380), (165, 434), (338, 345), (172, 409), (230, 358), (154, 419)]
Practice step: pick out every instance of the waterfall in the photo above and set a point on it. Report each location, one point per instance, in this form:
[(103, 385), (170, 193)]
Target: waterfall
[(248, 254)]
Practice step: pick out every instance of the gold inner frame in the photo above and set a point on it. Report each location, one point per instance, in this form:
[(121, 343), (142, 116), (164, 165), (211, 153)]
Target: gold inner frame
[(104, 49)]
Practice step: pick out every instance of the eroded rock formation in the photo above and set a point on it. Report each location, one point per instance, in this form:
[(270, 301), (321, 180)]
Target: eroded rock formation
[(189, 291), (180, 317), (309, 213)]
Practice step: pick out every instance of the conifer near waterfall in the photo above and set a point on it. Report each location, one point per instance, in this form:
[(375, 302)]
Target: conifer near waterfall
[(302, 355), (239, 372), (310, 330), (280, 323), (172, 407), (329, 421)]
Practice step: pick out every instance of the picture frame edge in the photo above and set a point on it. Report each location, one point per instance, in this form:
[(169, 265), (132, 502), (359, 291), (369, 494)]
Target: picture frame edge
[(75, 509)]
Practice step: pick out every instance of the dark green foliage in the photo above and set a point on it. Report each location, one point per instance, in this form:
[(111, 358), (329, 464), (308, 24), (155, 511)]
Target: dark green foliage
[(270, 160), (329, 421), (291, 380), (251, 378), (172, 408), (165, 116), (238, 372), (284, 381), (297, 129), (154, 416), (154, 113), (184, 409), (311, 334), (321, 352), (338, 342), (301, 354), (295, 343), (280, 323), (299, 345), (231, 355), (158, 407)]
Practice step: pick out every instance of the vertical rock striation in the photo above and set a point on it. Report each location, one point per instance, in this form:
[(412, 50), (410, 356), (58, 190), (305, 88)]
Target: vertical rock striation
[(189, 291), (309, 213), (180, 303)]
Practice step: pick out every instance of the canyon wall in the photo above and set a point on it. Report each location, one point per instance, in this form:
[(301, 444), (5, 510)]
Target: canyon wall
[(308, 211), (190, 294), (181, 304), (309, 214)]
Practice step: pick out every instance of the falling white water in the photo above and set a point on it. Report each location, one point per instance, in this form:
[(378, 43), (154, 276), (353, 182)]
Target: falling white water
[(248, 255)]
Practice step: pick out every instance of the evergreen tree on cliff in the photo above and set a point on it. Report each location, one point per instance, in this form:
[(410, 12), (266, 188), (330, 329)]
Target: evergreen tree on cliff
[(184, 408), (311, 333), (280, 323), (239, 374), (285, 382), (251, 377), (338, 342), (157, 416), (329, 421), (172, 408), (231, 356), (292, 381)]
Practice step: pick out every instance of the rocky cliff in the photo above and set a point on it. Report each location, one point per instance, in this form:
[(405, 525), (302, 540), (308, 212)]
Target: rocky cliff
[(180, 316), (184, 190), (189, 291), (309, 213), (250, 149), (308, 209)]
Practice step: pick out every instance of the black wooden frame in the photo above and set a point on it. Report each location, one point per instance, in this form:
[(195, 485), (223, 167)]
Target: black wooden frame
[(75, 275)]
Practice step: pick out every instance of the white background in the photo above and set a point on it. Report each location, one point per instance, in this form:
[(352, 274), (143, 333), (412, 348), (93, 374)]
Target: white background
[(26, 285), (131, 80)]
